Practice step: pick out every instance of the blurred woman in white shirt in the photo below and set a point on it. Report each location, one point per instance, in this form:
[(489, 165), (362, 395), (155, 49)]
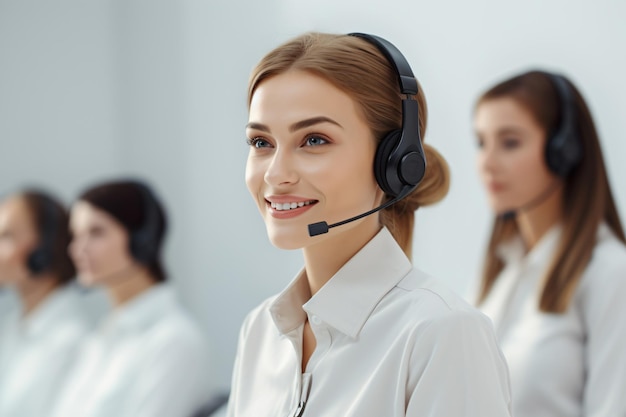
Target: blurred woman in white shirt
[(40, 337), (554, 279), (149, 358), (359, 331)]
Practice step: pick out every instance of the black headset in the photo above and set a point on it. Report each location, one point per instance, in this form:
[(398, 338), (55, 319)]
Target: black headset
[(41, 258), (400, 163), (144, 242), (564, 146)]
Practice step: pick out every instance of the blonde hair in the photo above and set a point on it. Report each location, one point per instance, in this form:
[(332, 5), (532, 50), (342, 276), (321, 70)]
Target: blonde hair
[(587, 199), (358, 68)]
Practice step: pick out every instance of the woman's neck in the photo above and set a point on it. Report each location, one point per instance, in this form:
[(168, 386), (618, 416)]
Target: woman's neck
[(534, 224), (35, 291), (130, 287), (324, 259)]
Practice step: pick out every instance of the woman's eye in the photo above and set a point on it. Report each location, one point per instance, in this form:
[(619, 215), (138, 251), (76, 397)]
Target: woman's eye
[(96, 232), (315, 141), (510, 143), (258, 143)]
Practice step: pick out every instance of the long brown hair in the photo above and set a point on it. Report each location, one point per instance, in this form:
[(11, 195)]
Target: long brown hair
[(359, 69), (587, 197)]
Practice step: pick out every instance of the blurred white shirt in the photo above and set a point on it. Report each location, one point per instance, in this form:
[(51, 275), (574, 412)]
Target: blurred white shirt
[(391, 342), (8, 304), (149, 359), (37, 351), (571, 364)]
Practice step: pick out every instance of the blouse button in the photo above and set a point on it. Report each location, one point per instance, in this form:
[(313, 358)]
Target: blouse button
[(316, 320)]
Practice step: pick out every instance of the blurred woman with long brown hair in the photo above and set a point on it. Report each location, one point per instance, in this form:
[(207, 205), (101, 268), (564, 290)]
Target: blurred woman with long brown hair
[(554, 279)]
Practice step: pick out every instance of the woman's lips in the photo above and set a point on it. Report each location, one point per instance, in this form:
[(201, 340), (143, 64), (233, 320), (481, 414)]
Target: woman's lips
[(286, 207)]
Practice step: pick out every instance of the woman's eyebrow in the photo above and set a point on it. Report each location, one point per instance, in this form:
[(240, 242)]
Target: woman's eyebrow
[(510, 130), (312, 121), (296, 126)]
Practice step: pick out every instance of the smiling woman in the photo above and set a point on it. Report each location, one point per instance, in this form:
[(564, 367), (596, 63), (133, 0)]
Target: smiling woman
[(359, 331), (322, 158)]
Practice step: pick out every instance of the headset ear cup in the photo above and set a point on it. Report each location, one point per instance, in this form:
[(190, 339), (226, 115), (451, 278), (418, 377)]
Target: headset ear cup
[(381, 162), (552, 158), (38, 261), (564, 145), (563, 152), (412, 168), (135, 248), (144, 243), (142, 248)]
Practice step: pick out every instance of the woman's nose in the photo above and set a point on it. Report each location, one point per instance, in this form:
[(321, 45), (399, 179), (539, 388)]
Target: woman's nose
[(487, 159), (282, 169)]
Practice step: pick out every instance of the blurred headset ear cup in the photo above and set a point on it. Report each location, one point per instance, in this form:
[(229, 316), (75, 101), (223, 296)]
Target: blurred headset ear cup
[(564, 145), (381, 161), (42, 257), (144, 243), (563, 151), (38, 261)]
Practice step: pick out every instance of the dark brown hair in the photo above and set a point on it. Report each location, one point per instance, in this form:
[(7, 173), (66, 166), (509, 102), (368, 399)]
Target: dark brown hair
[(588, 200), (358, 68), (51, 221), (135, 206)]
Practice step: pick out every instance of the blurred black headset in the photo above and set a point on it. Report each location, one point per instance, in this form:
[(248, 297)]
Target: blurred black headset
[(564, 145), (399, 164), (145, 242), (41, 258)]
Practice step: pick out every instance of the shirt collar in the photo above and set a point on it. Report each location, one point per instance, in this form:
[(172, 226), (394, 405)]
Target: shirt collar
[(59, 305), (141, 311), (514, 250), (346, 301)]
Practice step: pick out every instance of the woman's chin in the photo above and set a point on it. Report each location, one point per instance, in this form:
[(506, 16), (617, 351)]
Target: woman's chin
[(288, 241), (86, 279)]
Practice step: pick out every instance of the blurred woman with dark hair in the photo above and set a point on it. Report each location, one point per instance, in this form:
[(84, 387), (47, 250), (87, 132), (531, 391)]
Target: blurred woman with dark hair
[(149, 358), (38, 341)]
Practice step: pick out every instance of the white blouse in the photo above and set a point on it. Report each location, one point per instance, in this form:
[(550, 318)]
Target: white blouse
[(36, 351), (391, 342), (149, 359), (570, 364)]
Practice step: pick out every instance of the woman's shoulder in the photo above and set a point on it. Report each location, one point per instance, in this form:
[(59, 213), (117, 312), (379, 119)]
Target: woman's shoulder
[(419, 286), (172, 324), (609, 250), (260, 316), (427, 300), (605, 274)]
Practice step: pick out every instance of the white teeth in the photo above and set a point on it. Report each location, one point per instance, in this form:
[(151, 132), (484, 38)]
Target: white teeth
[(289, 206)]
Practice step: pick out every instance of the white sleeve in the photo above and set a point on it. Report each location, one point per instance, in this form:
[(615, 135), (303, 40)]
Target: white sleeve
[(604, 312), (458, 370), (234, 397)]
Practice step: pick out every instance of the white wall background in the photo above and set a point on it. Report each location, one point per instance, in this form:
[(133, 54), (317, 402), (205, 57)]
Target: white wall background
[(93, 90)]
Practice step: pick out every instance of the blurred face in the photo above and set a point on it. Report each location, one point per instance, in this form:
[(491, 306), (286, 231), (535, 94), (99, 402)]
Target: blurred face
[(311, 158), (511, 154), (18, 237), (99, 246)]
